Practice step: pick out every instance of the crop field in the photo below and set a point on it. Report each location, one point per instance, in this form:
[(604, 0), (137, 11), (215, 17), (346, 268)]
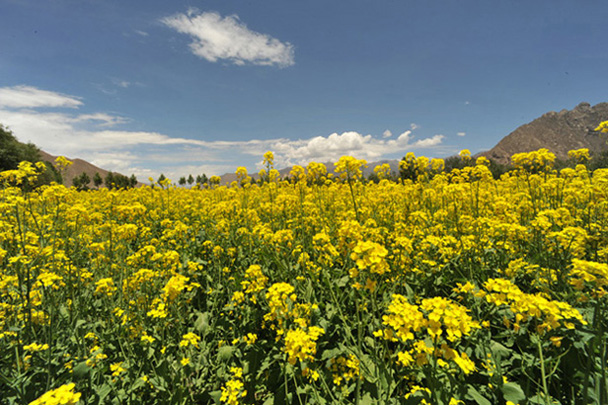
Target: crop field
[(438, 289)]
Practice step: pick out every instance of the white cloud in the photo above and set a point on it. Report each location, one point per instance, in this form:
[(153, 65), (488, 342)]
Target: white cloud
[(145, 153), (142, 33), (31, 97), (461, 133), (103, 119), (121, 83), (215, 38), (414, 127), (332, 147), (387, 134)]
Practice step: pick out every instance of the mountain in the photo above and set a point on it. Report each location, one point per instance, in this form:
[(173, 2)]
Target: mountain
[(78, 166), (557, 131)]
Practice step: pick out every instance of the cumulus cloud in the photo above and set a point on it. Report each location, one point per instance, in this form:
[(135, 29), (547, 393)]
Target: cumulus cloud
[(96, 138), (215, 38), (387, 134), (461, 133), (414, 127), (32, 97), (332, 147)]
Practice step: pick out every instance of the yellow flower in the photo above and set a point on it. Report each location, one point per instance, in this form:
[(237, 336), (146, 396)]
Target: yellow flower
[(105, 286), (63, 395), (35, 347), (234, 389), (250, 338), (190, 339), (147, 338), (117, 369), (349, 167), (603, 127), (301, 345), (370, 255), (175, 286)]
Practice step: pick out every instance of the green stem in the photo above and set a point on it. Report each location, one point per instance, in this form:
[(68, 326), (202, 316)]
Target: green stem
[(352, 194), (542, 372)]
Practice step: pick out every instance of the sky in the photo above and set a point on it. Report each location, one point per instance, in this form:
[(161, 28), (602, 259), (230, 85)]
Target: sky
[(192, 87)]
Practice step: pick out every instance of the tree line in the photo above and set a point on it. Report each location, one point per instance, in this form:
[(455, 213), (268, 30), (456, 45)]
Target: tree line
[(112, 181), (12, 152)]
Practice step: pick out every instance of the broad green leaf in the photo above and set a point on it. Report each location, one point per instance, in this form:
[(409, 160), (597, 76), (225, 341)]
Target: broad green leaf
[(224, 353), (81, 370), (473, 394), (512, 392)]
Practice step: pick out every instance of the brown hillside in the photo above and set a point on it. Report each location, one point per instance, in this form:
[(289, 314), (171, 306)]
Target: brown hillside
[(78, 166), (557, 131)]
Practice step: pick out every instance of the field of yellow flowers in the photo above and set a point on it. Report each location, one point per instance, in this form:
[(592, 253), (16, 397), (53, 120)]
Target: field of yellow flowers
[(446, 289)]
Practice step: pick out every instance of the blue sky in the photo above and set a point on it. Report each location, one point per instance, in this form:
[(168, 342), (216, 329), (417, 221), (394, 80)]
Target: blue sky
[(183, 87)]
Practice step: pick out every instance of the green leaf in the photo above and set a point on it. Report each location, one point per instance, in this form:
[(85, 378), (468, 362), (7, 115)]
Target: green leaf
[(367, 399), (201, 325), (158, 383), (331, 353), (499, 350), (81, 370), (137, 384), (369, 341), (512, 392), (343, 281), (225, 353), (103, 392), (473, 394), (216, 395), (63, 311)]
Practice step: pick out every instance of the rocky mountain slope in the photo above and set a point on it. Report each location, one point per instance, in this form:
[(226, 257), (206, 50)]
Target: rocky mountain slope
[(78, 166), (557, 131)]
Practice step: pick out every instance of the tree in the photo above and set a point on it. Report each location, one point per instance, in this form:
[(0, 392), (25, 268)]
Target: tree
[(182, 181), (190, 179), (132, 181), (97, 180), (12, 151), (51, 174), (109, 180), (81, 182)]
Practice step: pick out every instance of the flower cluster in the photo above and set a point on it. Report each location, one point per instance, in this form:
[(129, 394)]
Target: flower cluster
[(63, 395)]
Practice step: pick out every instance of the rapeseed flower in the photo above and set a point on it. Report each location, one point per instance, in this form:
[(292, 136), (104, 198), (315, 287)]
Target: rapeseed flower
[(63, 395)]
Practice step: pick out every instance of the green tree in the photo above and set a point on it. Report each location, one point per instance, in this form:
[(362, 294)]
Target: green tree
[(182, 181), (12, 151), (109, 180), (190, 179), (81, 182), (97, 180)]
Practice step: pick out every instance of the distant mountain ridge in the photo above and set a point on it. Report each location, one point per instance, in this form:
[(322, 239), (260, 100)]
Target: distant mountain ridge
[(76, 169), (557, 131)]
